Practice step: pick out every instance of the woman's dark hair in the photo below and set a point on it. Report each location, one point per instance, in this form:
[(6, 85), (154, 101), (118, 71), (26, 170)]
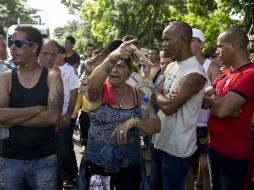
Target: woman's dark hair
[(210, 52)]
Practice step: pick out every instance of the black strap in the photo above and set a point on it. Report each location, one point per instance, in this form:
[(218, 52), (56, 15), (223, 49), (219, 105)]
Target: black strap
[(156, 76)]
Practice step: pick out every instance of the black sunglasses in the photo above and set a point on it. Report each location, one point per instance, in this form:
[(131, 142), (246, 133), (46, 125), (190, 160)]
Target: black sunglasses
[(18, 43)]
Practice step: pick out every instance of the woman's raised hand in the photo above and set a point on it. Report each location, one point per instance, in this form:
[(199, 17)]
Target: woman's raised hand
[(123, 51)]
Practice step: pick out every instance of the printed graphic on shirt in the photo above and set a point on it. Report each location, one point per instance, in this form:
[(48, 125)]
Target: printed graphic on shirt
[(170, 79)]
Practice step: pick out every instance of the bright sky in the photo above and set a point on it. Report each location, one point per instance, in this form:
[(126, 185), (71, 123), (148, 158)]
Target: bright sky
[(53, 13)]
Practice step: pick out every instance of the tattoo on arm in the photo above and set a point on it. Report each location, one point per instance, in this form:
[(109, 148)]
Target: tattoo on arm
[(56, 101)]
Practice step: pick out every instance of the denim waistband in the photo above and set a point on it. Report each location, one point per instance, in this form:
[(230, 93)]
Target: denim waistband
[(111, 156)]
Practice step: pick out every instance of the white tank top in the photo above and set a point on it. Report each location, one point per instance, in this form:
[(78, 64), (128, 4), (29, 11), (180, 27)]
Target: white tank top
[(204, 114), (178, 130)]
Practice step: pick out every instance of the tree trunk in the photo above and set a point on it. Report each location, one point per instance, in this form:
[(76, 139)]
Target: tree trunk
[(151, 35), (2, 30)]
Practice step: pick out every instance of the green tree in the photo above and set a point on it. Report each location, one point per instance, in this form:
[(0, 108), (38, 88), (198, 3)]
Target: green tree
[(80, 31), (73, 5), (112, 19), (243, 8), (212, 24), (11, 10), (146, 19)]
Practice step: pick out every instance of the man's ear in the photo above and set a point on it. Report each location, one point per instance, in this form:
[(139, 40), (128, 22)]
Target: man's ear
[(234, 44), (35, 47), (201, 45)]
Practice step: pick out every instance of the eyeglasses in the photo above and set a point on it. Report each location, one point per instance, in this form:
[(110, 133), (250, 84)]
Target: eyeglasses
[(18, 43)]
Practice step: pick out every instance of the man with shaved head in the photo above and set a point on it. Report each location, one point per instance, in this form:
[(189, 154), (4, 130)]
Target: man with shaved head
[(179, 98), (229, 126)]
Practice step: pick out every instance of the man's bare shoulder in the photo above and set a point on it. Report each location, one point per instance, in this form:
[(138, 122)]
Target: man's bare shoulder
[(53, 74), (54, 78)]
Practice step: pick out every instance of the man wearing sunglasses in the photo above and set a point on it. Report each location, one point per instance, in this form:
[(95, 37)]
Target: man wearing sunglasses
[(31, 101)]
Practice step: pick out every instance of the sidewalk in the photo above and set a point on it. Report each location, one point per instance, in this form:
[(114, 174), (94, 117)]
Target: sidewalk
[(77, 147)]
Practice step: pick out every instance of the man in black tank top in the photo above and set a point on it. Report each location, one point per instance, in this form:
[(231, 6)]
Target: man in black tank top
[(31, 101)]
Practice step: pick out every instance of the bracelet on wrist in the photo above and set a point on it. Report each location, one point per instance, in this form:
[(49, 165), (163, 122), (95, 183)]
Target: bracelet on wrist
[(135, 122)]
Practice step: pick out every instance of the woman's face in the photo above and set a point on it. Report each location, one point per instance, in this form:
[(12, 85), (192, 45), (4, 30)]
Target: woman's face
[(119, 74)]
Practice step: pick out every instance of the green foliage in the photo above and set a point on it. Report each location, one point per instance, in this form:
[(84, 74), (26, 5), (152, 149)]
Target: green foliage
[(212, 25), (80, 31), (244, 8), (11, 10), (146, 19), (201, 7), (112, 19), (73, 6)]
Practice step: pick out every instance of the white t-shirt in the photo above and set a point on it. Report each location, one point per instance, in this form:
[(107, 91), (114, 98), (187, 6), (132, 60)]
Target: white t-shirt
[(70, 82), (178, 131), (137, 81), (204, 114)]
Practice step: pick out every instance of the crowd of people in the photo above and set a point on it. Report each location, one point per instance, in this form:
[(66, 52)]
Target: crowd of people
[(197, 128)]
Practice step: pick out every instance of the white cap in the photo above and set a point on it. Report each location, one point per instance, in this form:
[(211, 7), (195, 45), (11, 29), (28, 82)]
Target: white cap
[(196, 33)]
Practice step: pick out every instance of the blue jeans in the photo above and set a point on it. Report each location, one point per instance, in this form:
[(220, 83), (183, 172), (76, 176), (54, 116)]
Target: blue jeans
[(168, 171), (65, 152), (155, 181), (40, 174), (226, 173)]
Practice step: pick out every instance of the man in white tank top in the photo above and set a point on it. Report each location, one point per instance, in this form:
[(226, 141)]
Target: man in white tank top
[(175, 145), (212, 70)]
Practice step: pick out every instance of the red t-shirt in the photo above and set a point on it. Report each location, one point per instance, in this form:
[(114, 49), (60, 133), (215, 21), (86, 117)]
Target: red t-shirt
[(229, 136)]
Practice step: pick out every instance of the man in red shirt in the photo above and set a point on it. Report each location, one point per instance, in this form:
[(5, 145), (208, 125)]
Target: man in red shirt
[(232, 107)]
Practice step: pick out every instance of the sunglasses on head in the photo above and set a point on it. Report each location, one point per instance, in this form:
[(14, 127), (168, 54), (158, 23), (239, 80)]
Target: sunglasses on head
[(18, 43)]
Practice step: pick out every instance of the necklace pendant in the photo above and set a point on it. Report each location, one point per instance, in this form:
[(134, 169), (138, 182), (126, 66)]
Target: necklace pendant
[(120, 106)]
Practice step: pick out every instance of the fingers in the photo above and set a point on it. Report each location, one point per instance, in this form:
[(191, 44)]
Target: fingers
[(236, 113), (124, 51), (121, 135), (128, 43)]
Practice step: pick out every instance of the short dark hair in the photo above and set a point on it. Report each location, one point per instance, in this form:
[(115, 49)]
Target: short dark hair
[(33, 34), (62, 50), (210, 52), (71, 39), (183, 30), (155, 48), (90, 45), (237, 35)]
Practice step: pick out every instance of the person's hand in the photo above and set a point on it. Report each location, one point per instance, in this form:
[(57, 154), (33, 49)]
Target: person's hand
[(173, 95), (236, 113), (64, 121), (209, 91), (123, 51), (121, 131), (146, 70)]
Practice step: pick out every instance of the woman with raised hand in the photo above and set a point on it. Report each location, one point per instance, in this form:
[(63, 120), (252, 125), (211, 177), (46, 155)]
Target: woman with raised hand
[(113, 147)]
